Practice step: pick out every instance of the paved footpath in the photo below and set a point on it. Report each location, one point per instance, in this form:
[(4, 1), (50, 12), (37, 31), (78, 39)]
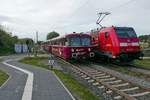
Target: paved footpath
[(46, 86)]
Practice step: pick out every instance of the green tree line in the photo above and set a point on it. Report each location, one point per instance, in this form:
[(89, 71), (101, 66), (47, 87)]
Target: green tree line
[(7, 42), (144, 38), (52, 34)]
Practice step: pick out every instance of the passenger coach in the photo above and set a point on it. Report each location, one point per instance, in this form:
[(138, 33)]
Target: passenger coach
[(71, 46)]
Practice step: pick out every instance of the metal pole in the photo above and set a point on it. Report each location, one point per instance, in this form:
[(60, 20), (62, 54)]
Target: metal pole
[(36, 45), (37, 37)]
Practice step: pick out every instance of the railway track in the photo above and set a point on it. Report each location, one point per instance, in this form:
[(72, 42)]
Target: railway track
[(111, 86), (145, 72)]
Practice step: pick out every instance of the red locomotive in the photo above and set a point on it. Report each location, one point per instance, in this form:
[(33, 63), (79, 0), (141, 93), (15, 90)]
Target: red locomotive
[(70, 46), (117, 43)]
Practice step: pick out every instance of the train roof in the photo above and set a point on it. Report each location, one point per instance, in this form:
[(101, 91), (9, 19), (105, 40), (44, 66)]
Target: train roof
[(119, 27), (67, 35)]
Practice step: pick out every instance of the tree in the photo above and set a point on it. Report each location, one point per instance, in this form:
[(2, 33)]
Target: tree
[(28, 41), (144, 38), (52, 35), (7, 42)]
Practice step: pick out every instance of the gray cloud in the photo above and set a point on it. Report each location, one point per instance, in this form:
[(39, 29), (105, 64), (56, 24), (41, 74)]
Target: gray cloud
[(25, 17)]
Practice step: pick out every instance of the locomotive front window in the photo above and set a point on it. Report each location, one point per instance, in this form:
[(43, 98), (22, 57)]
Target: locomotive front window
[(126, 33), (132, 33), (85, 41), (75, 41), (122, 34)]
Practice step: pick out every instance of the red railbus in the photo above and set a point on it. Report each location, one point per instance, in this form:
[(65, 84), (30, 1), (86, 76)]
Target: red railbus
[(119, 43), (71, 46)]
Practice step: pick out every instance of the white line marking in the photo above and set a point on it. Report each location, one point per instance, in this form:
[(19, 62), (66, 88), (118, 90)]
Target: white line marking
[(64, 87), (27, 94)]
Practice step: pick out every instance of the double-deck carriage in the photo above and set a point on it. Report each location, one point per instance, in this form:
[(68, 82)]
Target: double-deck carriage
[(72, 46)]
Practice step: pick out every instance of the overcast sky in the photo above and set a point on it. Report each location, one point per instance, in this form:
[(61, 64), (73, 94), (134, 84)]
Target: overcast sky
[(25, 17)]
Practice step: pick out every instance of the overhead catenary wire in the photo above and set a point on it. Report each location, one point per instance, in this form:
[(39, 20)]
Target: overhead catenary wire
[(77, 9), (121, 5)]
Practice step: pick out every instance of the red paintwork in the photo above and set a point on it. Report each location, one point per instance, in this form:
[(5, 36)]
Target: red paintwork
[(66, 52), (111, 45)]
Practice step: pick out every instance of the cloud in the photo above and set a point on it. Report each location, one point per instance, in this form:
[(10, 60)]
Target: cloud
[(25, 17)]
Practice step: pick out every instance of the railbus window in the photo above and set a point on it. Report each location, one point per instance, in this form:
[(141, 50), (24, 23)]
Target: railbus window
[(74, 41), (85, 41)]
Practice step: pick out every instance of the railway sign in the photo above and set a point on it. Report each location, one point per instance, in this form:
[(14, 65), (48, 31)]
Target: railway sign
[(51, 61)]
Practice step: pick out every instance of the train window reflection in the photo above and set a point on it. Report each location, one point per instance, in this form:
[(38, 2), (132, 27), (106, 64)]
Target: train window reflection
[(75, 41), (126, 33), (86, 41)]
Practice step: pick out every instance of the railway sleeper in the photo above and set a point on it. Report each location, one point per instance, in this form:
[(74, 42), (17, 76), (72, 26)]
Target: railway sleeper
[(101, 87), (99, 75), (140, 94), (114, 82), (95, 73), (103, 76), (117, 97), (76, 71), (84, 76), (81, 73), (135, 91), (124, 87), (108, 79), (92, 71), (129, 89), (109, 92), (91, 80), (95, 84), (120, 85), (87, 78), (113, 94)]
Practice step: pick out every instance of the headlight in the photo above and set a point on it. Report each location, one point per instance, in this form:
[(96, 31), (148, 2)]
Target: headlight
[(123, 44), (135, 44), (72, 50), (89, 49)]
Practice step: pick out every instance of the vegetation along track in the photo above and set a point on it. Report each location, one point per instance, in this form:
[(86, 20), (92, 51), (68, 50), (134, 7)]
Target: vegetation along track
[(130, 69), (133, 70), (114, 87), (140, 69)]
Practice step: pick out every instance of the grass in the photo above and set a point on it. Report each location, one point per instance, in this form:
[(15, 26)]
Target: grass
[(3, 77), (127, 70), (75, 86), (37, 61), (145, 63), (79, 90)]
